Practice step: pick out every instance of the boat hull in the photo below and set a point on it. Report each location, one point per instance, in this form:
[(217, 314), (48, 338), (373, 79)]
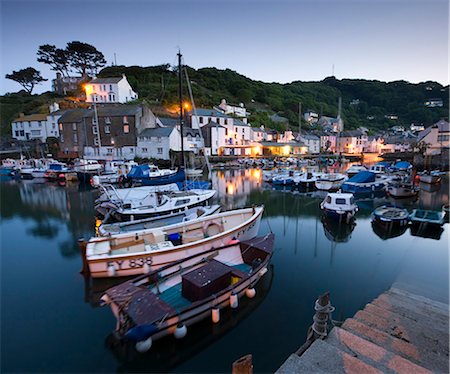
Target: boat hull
[(430, 179), (134, 264)]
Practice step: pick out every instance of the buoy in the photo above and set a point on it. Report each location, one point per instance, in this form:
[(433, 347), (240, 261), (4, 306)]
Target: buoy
[(234, 301), (180, 331), (144, 345), (146, 268), (250, 293), (111, 270), (215, 314), (105, 300)]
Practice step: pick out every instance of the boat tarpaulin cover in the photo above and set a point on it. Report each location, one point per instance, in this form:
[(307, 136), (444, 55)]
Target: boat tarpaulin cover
[(363, 177)]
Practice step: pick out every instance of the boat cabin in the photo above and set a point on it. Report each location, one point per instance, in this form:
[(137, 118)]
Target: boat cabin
[(340, 199)]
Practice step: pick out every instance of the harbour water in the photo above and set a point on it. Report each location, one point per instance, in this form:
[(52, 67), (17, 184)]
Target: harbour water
[(51, 321)]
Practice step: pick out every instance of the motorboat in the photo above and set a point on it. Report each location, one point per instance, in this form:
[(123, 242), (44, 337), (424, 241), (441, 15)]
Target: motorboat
[(330, 181), (402, 189), (194, 172), (355, 169), (86, 169), (115, 171), (151, 175), (340, 206), (143, 202), (56, 171), (133, 253), (380, 167), (307, 180), (401, 166), (364, 182), (150, 223), (430, 178), (169, 300)]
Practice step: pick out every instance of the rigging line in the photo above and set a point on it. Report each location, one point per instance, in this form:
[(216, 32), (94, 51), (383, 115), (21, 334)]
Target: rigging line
[(194, 108)]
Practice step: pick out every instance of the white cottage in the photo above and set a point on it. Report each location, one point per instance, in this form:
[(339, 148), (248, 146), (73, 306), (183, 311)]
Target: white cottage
[(110, 90)]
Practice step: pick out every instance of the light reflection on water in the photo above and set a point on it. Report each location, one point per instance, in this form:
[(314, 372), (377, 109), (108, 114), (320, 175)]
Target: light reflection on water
[(46, 301)]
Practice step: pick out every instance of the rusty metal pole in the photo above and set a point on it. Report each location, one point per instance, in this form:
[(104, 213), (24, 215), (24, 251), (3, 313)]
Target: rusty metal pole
[(244, 365)]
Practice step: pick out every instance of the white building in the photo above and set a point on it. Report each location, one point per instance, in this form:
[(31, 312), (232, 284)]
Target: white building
[(37, 126), (312, 142), (311, 117), (110, 90), (352, 142), (235, 110), (214, 136), (436, 137), (328, 142), (257, 134)]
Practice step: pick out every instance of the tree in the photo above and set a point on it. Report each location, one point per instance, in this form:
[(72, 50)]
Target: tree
[(84, 57), (27, 78), (55, 57)]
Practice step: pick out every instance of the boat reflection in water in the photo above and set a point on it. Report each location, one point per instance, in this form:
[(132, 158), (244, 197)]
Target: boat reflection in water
[(170, 352), (337, 232), (429, 187), (388, 231), (426, 231)]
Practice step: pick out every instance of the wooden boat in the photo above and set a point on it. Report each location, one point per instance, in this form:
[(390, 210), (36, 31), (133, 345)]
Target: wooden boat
[(402, 189), (330, 182), (168, 300), (135, 253), (427, 217), (390, 216), (150, 223), (340, 206), (147, 201)]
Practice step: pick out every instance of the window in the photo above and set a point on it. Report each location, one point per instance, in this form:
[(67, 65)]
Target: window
[(61, 137), (160, 151), (226, 121), (200, 120), (109, 151), (443, 138), (107, 129), (53, 126), (125, 119), (235, 129), (104, 87), (75, 138), (328, 199), (243, 130), (95, 130), (17, 133), (36, 132), (60, 127), (22, 133), (107, 120), (144, 150), (40, 124), (340, 201), (181, 202), (131, 150), (110, 87), (74, 126), (126, 129), (226, 132), (94, 121), (96, 141)]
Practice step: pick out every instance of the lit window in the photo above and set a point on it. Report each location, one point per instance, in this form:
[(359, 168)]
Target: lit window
[(75, 138), (126, 129), (107, 120), (60, 127), (74, 126)]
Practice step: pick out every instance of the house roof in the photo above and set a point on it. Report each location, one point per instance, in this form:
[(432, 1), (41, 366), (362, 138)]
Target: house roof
[(190, 131), (442, 125), (32, 117), (158, 132), (309, 137), (73, 115), (112, 110), (106, 80), (169, 121), (208, 113), (238, 122)]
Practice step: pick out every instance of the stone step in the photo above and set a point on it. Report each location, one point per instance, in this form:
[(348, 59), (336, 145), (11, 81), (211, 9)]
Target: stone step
[(322, 357), (433, 305), (419, 334), (412, 311), (431, 354), (372, 354)]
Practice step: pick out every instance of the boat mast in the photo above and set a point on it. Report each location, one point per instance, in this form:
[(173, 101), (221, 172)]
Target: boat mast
[(180, 98)]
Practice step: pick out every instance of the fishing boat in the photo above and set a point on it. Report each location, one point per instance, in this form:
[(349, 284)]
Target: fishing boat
[(167, 301), (430, 178), (307, 180), (285, 178), (151, 175), (340, 206), (380, 167), (86, 169), (364, 182), (390, 216), (355, 169), (56, 171), (150, 223), (402, 189), (330, 181), (143, 202), (133, 253), (427, 217), (336, 231), (401, 166)]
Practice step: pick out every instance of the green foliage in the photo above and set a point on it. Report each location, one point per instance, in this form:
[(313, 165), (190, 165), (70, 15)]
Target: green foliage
[(27, 78)]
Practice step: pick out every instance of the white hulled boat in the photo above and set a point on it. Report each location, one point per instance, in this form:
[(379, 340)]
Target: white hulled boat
[(330, 182)]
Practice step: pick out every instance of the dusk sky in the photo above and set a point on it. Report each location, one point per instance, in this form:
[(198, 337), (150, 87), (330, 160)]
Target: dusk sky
[(272, 41)]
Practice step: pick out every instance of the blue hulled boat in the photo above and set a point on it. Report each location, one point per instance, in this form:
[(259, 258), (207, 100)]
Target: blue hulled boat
[(149, 175), (363, 182)]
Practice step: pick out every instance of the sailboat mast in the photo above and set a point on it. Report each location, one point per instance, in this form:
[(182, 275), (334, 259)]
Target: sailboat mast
[(180, 98)]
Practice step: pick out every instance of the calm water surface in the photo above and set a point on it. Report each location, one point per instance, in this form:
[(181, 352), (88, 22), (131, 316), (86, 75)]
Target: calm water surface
[(50, 317)]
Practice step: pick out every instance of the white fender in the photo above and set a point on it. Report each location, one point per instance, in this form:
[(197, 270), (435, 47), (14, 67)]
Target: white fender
[(180, 331), (250, 293), (215, 314), (144, 345), (234, 301), (111, 270)]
